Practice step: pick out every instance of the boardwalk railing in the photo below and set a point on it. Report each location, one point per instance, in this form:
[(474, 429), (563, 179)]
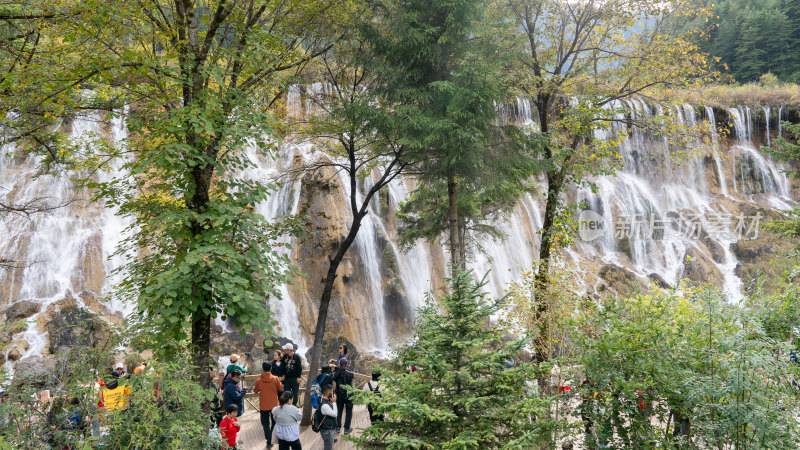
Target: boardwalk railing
[(252, 398)]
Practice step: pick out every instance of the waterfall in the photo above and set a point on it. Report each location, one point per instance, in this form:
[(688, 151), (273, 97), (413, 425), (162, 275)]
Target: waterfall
[(712, 129), (282, 202), (749, 124), (766, 116), (780, 121), (65, 249), (653, 193)]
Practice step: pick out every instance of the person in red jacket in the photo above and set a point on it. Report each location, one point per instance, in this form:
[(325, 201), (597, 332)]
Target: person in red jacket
[(229, 427)]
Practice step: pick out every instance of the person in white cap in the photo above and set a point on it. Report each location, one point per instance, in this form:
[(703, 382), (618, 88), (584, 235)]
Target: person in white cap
[(294, 369), (120, 368)]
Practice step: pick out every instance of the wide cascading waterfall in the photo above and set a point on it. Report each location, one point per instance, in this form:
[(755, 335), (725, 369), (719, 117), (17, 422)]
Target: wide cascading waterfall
[(664, 218)]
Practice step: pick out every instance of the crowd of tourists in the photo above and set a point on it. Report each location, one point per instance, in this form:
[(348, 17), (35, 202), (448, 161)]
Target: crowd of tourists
[(278, 392)]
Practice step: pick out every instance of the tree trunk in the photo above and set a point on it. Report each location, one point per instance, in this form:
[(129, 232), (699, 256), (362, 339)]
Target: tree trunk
[(322, 314), (542, 280), (201, 346), (456, 262)]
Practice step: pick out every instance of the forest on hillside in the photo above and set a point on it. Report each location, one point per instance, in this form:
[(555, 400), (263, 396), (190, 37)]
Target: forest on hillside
[(752, 38)]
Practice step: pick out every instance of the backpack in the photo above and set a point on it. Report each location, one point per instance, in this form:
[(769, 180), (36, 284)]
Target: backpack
[(316, 420), (374, 389), (316, 390)]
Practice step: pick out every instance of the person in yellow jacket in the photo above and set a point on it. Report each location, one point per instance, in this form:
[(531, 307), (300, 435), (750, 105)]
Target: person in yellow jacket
[(115, 396)]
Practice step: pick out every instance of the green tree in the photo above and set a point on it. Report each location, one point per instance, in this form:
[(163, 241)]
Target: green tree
[(197, 81), (356, 128), (787, 150), (751, 38), (578, 63), (445, 79), (462, 393)]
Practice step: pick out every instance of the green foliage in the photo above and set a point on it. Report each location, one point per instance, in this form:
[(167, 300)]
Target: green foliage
[(165, 407), (787, 150), (462, 395), (442, 69), (754, 38), (195, 84), (684, 369)]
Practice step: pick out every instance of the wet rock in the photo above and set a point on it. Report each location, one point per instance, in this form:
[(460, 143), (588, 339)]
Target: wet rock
[(22, 310), (6, 337), (273, 343), (715, 249), (36, 369), (249, 347), (699, 268), (659, 281), (747, 252), (397, 309), (367, 362), (92, 275), (17, 350), (92, 301), (72, 327), (353, 307), (624, 246), (619, 279)]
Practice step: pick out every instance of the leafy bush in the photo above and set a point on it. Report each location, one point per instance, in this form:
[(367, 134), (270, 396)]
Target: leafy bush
[(165, 408), (684, 368)]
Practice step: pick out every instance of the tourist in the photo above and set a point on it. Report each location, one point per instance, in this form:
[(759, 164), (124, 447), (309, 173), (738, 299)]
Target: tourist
[(325, 376), (375, 387), (329, 413), (233, 394), (217, 412), (140, 368), (234, 366), (343, 377), (342, 354), (286, 429), (120, 368), (277, 367), (115, 395), (229, 427), (294, 369), (268, 386)]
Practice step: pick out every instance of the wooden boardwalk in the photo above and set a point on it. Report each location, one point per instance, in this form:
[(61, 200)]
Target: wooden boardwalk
[(252, 434)]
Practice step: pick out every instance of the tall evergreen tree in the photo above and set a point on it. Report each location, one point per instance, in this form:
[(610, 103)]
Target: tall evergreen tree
[(461, 392), (444, 75)]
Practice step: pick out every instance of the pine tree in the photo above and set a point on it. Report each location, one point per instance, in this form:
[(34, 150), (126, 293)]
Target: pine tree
[(461, 392), (788, 151), (444, 74)]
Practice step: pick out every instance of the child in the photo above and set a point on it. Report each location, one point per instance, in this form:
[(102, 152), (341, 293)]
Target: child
[(229, 427)]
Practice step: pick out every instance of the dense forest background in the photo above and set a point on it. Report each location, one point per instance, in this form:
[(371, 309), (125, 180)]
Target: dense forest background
[(754, 37)]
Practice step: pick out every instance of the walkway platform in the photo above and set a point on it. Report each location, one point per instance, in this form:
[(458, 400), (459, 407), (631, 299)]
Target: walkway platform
[(252, 434)]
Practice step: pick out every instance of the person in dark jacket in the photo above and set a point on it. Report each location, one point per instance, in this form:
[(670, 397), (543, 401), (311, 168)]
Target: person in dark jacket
[(232, 393), (343, 377), (277, 367), (294, 369)]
